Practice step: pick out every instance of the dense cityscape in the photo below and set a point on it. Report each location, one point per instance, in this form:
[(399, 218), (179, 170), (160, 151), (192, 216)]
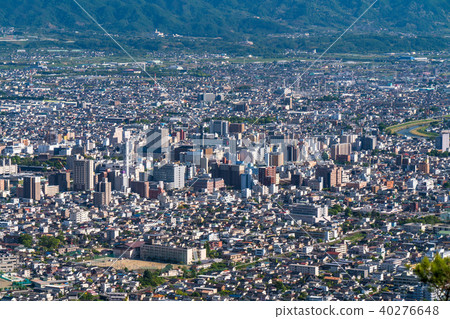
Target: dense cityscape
[(216, 177)]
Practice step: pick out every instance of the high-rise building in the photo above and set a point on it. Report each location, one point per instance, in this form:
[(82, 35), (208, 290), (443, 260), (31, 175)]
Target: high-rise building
[(53, 137), (71, 160), (246, 181), (369, 143), (267, 175), (118, 180), (424, 167), (171, 173), (204, 164), (297, 179), (219, 127), (157, 142), (208, 184), (141, 188), (276, 159), (231, 174), (32, 188), (4, 185), (348, 138), (443, 141), (62, 179), (340, 149), (399, 160), (292, 153), (287, 102), (102, 196), (181, 135), (83, 175), (330, 174), (241, 107), (237, 127), (116, 136), (177, 151), (193, 157)]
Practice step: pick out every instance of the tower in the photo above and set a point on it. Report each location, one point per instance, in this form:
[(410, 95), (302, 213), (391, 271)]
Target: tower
[(32, 188), (83, 175), (102, 196)]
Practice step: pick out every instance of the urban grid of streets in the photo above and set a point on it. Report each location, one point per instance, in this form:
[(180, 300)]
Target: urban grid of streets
[(218, 180)]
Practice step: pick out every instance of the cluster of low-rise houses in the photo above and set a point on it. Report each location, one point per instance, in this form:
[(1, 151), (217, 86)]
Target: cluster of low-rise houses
[(222, 179)]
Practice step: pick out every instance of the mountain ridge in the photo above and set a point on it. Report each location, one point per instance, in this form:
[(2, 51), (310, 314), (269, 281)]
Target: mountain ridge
[(228, 17)]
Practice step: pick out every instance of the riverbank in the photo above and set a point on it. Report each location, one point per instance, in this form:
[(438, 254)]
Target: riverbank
[(402, 126)]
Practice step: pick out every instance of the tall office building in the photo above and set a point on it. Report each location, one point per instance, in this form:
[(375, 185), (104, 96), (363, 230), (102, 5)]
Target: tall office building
[(118, 180), (204, 164), (83, 175), (424, 167), (292, 153), (102, 196), (231, 174), (171, 173), (116, 136), (62, 179), (399, 160), (278, 139), (276, 159), (340, 149), (443, 141), (4, 185), (348, 138), (246, 180), (181, 135), (141, 188), (330, 174), (297, 179), (157, 143), (53, 137), (369, 143), (177, 151), (267, 175), (208, 184), (237, 127), (32, 188), (71, 160), (219, 127)]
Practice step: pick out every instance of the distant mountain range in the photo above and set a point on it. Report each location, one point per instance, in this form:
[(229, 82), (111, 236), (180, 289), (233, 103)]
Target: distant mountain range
[(228, 17)]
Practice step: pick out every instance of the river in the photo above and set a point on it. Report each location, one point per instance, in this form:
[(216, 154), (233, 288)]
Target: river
[(407, 131)]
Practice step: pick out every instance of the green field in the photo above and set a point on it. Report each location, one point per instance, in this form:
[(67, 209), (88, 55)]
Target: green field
[(355, 237)]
